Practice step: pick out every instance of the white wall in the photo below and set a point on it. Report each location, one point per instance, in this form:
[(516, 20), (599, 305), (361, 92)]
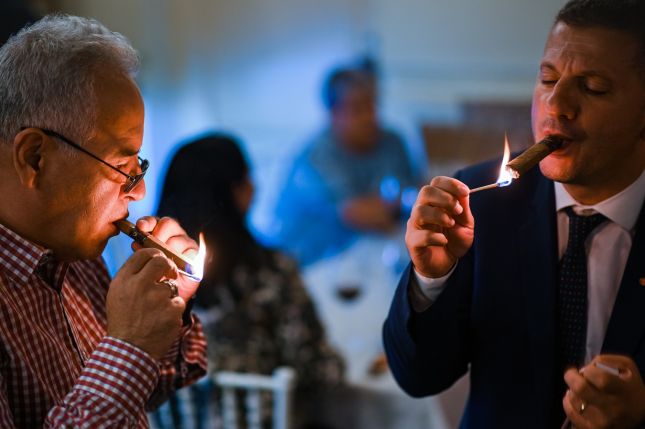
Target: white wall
[(254, 67), (438, 52)]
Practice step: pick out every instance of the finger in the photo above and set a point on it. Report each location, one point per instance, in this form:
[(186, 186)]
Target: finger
[(580, 386), (157, 267), (187, 287), (436, 197), (425, 217), (455, 188), (147, 223), (182, 244), (624, 365), (573, 408), (450, 185), (465, 218), (137, 261), (420, 239), (169, 306), (173, 274), (178, 304), (602, 380), (191, 253), (166, 228)]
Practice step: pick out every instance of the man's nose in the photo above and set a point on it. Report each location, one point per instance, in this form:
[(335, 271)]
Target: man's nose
[(562, 102), (138, 192)]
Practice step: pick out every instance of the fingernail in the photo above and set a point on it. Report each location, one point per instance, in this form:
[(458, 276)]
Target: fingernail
[(458, 208), (191, 253)]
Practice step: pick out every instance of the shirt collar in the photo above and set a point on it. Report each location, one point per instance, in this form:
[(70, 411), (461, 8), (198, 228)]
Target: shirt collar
[(19, 257), (622, 208)]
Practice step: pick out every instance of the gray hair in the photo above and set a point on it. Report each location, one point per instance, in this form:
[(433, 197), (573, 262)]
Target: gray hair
[(47, 74)]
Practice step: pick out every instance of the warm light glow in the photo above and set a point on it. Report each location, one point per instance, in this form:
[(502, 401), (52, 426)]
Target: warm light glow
[(505, 177), (199, 259)]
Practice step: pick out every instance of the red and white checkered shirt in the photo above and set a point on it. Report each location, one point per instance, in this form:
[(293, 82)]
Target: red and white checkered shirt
[(57, 366)]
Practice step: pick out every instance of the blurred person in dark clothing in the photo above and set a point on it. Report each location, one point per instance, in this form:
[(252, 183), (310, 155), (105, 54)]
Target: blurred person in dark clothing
[(257, 314)]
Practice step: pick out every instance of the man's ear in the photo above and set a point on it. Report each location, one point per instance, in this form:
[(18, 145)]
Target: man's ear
[(27, 156)]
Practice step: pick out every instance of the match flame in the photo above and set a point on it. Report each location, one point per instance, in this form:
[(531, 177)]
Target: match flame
[(505, 176), (195, 264), (199, 259)]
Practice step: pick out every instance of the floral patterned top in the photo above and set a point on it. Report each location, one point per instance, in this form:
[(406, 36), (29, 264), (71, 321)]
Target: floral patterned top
[(263, 319)]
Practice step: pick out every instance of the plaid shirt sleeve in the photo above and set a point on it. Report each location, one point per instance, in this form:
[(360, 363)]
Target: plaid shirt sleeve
[(120, 379), (184, 363), (6, 418), (111, 391)]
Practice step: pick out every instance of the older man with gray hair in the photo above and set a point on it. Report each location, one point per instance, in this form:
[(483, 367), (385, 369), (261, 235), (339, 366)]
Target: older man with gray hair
[(76, 348)]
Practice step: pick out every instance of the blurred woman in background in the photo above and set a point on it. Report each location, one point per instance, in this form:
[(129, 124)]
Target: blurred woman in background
[(256, 312)]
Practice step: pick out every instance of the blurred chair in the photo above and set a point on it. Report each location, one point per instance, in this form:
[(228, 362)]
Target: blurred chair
[(279, 385)]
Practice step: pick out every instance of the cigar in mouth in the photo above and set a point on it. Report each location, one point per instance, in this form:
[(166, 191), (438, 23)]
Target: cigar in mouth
[(533, 155)]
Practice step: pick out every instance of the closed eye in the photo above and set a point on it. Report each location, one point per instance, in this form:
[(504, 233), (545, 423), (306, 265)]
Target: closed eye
[(593, 88), (594, 91)]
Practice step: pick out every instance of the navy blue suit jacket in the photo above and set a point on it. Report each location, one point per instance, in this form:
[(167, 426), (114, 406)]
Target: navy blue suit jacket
[(497, 313)]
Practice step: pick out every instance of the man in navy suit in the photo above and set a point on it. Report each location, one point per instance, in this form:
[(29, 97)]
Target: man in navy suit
[(487, 287)]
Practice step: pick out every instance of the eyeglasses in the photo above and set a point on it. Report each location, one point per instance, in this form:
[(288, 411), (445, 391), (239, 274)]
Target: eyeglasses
[(132, 180)]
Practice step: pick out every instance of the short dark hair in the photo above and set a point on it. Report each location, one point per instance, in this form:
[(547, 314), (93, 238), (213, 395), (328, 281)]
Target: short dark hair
[(627, 16), (341, 80)]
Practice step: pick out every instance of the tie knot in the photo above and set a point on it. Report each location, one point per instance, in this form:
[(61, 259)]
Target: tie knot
[(581, 226)]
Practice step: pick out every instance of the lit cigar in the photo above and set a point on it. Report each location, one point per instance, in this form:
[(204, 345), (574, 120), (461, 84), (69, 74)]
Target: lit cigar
[(522, 163), (533, 155), (148, 240)]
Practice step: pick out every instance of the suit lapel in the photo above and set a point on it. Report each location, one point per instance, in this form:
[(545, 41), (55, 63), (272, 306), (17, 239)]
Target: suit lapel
[(538, 261), (626, 327)]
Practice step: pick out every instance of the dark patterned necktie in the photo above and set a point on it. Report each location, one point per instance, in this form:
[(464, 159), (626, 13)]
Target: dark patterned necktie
[(572, 294)]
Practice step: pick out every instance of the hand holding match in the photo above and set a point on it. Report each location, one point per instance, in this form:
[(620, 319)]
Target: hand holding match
[(149, 241)]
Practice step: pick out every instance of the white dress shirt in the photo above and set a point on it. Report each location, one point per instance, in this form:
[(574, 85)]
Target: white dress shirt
[(608, 248)]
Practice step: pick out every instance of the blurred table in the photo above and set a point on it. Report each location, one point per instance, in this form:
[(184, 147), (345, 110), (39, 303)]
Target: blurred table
[(372, 266)]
